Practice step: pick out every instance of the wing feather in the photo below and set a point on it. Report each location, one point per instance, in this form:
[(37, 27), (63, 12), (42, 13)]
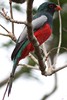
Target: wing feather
[(36, 24)]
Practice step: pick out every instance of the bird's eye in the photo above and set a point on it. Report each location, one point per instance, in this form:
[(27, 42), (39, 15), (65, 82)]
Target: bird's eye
[(51, 6)]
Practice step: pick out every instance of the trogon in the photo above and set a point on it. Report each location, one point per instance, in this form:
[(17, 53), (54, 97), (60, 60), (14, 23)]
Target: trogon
[(42, 27)]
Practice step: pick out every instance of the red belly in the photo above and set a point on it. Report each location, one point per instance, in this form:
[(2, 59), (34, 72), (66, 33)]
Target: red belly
[(42, 35)]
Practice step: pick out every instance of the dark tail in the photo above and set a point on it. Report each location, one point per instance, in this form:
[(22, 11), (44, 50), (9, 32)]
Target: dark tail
[(12, 76)]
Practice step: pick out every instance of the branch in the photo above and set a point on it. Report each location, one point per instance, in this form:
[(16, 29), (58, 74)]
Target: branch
[(10, 19), (22, 71), (60, 31), (16, 76), (6, 35), (18, 73), (46, 56), (33, 58), (53, 70), (32, 38), (48, 72), (5, 29), (60, 34), (11, 14), (64, 48), (53, 90), (28, 66), (9, 34)]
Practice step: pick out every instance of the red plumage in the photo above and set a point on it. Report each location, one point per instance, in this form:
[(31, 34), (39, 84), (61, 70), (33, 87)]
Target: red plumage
[(42, 35)]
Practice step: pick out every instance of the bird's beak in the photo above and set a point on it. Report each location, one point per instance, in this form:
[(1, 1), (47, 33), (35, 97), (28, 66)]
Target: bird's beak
[(58, 8)]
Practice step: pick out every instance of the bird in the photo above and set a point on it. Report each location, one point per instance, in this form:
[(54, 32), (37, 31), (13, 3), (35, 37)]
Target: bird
[(42, 24)]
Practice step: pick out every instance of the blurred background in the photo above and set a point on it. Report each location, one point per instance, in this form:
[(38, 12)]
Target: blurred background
[(29, 84)]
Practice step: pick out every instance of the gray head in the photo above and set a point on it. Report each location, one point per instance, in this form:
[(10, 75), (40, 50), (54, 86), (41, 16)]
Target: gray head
[(49, 7)]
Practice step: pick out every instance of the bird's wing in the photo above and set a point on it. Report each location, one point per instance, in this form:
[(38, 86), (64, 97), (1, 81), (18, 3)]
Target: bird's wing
[(36, 24), (39, 22)]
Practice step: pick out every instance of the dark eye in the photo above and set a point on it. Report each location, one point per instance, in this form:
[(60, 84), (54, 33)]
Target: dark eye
[(51, 6)]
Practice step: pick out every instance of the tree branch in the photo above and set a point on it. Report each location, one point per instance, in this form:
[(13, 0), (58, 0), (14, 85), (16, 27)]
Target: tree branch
[(28, 66), (10, 19), (64, 48), (11, 14), (53, 90), (24, 65), (48, 72), (33, 58), (9, 34), (60, 34), (32, 38), (46, 57)]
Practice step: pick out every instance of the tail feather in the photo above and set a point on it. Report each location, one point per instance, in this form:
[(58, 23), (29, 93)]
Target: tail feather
[(12, 76), (10, 85)]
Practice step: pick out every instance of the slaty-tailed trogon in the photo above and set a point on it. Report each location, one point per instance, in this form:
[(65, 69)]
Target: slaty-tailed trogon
[(42, 27)]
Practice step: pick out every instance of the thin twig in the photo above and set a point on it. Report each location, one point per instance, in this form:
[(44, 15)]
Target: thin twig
[(33, 58), (53, 71), (60, 31), (60, 34), (53, 90), (11, 14), (45, 53), (58, 69), (28, 66), (4, 28), (47, 73), (12, 20), (53, 50), (5, 34), (9, 34)]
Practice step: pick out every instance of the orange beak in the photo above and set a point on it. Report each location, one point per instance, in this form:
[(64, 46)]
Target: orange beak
[(58, 8)]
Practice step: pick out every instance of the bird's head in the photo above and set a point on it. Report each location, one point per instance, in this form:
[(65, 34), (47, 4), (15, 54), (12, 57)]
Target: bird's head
[(49, 7)]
